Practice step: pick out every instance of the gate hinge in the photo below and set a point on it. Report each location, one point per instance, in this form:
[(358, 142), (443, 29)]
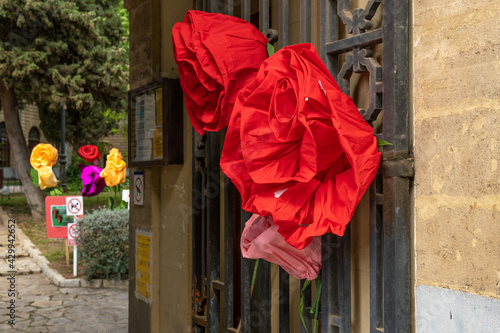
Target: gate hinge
[(404, 168)]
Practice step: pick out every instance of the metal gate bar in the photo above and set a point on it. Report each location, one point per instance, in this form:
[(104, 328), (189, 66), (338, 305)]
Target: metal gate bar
[(398, 169), (305, 21), (245, 10), (228, 254), (229, 7), (284, 19), (214, 286), (376, 257), (197, 238), (284, 301), (246, 277)]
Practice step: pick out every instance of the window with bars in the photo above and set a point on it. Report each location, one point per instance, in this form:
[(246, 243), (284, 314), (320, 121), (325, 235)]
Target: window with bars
[(33, 138), (222, 297), (4, 147)]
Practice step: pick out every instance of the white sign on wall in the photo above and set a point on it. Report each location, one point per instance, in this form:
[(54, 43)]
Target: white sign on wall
[(138, 188)]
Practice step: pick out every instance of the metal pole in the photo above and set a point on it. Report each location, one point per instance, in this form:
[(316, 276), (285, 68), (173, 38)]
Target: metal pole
[(62, 156), (75, 260)]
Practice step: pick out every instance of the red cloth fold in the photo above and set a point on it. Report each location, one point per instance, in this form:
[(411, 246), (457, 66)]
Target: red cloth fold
[(217, 56), (298, 149), (260, 239)]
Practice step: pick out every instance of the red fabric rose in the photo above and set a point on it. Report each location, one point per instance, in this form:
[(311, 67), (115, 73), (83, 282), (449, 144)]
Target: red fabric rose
[(89, 153), (217, 56), (298, 149)]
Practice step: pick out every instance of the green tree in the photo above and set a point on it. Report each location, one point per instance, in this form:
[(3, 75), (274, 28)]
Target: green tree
[(56, 52)]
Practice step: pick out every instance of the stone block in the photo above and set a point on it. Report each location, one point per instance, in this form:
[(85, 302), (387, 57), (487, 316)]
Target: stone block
[(69, 283), (115, 284), (57, 278), (49, 273), (94, 283)]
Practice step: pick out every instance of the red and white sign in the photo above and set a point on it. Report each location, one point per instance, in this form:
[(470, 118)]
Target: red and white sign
[(72, 233), (74, 205), (138, 188), (57, 218)]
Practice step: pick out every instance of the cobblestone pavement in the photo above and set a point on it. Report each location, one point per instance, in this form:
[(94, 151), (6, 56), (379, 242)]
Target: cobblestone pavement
[(40, 306)]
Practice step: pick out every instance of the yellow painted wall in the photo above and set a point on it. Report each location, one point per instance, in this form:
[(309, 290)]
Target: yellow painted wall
[(456, 91)]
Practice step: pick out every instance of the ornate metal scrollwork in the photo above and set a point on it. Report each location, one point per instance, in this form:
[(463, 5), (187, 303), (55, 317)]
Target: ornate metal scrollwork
[(359, 20), (360, 59)]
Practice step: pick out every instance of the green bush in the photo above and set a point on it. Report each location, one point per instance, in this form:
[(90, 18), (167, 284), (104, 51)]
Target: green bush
[(103, 244)]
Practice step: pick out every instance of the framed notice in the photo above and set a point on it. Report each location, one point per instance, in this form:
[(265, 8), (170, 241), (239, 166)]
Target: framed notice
[(155, 119), (143, 265), (59, 213)]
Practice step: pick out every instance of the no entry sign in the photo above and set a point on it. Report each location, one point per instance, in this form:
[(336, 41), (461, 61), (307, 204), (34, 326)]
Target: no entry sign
[(57, 217), (72, 234)]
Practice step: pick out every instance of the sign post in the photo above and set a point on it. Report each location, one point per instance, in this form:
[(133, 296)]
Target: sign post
[(61, 214), (72, 234)]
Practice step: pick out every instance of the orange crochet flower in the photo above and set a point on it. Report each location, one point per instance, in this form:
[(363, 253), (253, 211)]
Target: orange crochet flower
[(115, 171), (46, 177), (43, 154)]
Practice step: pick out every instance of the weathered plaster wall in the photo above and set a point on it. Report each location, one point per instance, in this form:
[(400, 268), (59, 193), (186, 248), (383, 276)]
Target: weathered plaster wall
[(141, 39), (144, 55), (176, 204), (457, 111)]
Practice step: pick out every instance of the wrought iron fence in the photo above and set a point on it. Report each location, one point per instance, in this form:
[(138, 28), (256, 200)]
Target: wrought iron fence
[(222, 303)]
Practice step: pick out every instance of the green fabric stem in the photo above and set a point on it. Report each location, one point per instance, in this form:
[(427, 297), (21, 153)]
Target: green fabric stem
[(254, 277), (270, 49)]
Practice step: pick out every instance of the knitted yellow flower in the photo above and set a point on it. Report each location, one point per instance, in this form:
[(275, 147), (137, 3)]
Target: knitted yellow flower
[(115, 171), (46, 177), (43, 154)]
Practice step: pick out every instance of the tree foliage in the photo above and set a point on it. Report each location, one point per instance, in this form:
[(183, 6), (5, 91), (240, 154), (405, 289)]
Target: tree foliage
[(56, 52), (72, 52)]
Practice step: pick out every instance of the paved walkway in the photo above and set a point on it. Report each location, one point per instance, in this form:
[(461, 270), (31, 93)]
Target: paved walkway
[(43, 307)]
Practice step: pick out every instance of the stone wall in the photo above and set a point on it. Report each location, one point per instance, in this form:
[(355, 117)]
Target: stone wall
[(457, 111)]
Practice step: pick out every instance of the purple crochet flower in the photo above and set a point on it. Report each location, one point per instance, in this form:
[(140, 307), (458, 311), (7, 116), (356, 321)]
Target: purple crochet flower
[(93, 184)]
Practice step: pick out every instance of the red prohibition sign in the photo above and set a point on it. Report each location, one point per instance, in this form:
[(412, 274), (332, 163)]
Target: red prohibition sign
[(72, 231), (138, 189), (74, 206)]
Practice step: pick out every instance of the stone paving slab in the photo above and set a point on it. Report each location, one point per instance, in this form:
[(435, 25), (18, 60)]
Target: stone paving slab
[(19, 252), (43, 307), (22, 265)]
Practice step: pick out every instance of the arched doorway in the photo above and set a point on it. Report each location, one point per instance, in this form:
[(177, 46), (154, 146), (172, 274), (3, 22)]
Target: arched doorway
[(33, 138)]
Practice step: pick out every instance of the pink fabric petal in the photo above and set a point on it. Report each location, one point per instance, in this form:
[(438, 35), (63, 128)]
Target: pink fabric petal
[(261, 239)]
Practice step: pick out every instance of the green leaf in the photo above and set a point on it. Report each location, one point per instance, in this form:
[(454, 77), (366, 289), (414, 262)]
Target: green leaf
[(122, 205), (381, 143), (111, 203), (315, 307), (34, 176), (270, 49), (301, 305)]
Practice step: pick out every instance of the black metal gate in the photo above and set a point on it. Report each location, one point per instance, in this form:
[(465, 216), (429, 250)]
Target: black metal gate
[(389, 194)]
